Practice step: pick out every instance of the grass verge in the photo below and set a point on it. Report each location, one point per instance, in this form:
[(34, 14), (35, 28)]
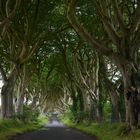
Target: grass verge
[(9, 128), (104, 131)]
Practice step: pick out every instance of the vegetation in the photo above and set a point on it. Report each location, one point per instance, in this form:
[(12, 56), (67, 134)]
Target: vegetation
[(77, 57), (104, 131), (10, 128)]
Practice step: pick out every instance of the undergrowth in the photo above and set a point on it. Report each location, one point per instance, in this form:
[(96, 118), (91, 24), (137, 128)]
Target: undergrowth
[(104, 131), (9, 128)]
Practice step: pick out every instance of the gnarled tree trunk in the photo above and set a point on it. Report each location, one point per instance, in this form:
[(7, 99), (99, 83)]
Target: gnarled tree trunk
[(131, 95), (7, 95)]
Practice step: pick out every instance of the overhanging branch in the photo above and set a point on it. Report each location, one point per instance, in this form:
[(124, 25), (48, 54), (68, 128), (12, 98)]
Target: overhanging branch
[(11, 15), (95, 43)]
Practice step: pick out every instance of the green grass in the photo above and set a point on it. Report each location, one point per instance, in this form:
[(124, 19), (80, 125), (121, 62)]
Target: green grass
[(9, 128), (104, 131)]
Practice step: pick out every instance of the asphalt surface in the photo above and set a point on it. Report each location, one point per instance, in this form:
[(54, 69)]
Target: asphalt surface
[(55, 130)]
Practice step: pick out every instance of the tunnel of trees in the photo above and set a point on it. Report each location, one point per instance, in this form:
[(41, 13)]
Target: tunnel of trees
[(79, 57)]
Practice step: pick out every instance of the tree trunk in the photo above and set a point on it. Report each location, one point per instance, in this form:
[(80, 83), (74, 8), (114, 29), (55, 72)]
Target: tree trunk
[(7, 95), (34, 101), (115, 117), (20, 94), (96, 112), (86, 102), (100, 110), (131, 98), (92, 113), (20, 100)]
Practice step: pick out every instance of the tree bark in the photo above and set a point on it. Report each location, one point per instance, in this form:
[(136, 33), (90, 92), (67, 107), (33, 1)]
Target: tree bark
[(20, 100), (131, 95), (7, 95), (115, 106), (20, 94)]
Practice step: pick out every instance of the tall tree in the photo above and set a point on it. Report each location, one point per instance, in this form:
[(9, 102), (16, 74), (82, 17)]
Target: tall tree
[(121, 24)]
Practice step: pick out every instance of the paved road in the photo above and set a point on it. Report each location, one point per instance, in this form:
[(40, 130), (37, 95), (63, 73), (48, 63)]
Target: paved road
[(55, 130)]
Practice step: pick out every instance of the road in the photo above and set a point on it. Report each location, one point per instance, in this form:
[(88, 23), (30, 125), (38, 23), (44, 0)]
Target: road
[(55, 130)]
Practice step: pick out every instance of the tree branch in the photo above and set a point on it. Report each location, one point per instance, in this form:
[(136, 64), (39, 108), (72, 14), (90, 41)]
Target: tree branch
[(95, 43), (119, 16), (136, 20), (34, 48), (11, 15), (105, 17)]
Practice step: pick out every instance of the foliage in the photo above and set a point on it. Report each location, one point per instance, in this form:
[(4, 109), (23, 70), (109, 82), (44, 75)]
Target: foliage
[(76, 116), (9, 128), (105, 131), (29, 114), (107, 111), (64, 66)]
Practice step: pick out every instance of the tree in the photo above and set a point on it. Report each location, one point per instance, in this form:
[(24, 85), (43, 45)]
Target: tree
[(24, 31), (124, 36)]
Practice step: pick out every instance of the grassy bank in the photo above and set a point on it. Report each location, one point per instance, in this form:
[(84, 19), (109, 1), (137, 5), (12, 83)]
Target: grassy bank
[(104, 131), (9, 128)]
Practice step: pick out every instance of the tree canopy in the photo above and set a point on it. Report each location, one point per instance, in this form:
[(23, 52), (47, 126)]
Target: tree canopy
[(72, 56)]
